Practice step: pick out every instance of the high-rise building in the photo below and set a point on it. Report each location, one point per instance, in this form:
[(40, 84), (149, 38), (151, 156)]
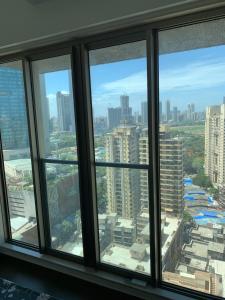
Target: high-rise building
[(144, 113), (175, 114), (171, 173), (167, 110), (160, 111), (114, 117), (215, 144), (13, 120), (144, 159), (190, 111), (65, 111), (122, 183), (126, 111)]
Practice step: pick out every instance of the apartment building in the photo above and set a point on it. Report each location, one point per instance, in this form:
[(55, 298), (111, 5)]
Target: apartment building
[(215, 144)]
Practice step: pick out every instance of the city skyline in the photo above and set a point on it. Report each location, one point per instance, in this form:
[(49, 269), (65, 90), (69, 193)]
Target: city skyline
[(128, 77)]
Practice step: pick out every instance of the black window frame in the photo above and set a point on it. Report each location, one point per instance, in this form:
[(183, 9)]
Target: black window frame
[(78, 49)]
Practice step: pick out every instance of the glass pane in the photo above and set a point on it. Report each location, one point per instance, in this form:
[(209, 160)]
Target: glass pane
[(192, 164), (119, 100), (55, 108), (16, 154), (64, 208), (123, 217)]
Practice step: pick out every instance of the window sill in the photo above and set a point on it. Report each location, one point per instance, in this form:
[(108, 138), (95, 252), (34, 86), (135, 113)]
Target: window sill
[(91, 275)]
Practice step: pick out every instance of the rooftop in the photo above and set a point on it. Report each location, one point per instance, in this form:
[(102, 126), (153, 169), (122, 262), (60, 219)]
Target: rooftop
[(197, 249), (203, 232), (198, 264), (216, 247), (120, 256)]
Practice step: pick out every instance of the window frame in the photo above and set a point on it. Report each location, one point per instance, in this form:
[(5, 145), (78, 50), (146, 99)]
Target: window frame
[(78, 48)]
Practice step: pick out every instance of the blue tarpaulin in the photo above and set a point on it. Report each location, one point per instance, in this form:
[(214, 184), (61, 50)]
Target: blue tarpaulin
[(187, 181), (196, 193), (187, 197)]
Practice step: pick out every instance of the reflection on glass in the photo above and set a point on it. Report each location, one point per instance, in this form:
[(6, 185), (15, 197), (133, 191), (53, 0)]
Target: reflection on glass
[(64, 208), (119, 100), (192, 164), (16, 154), (55, 108), (123, 218)]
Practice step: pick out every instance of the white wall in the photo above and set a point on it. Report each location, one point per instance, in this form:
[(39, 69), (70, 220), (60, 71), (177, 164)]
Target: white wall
[(21, 21)]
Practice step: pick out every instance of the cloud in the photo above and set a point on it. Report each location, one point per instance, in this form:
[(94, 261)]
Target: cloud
[(201, 75), (51, 97), (135, 83), (207, 73)]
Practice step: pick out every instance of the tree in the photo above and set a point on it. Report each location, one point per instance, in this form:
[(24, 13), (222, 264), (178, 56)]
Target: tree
[(187, 217), (67, 230), (202, 180)]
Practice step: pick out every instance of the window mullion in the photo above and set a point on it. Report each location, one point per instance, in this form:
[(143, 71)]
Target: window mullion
[(81, 88), (6, 228), (154, 207), (34, 152)]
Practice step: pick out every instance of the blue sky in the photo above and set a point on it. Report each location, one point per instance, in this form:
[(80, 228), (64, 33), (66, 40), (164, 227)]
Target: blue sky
[(194, 76)]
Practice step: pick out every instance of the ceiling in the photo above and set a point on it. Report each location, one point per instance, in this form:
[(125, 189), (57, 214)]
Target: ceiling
[(28, 23)]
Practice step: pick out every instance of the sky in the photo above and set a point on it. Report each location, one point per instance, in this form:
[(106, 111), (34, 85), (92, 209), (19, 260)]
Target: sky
[(194, 76)]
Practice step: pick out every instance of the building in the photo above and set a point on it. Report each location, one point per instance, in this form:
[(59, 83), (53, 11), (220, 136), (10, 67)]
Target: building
[(122, 183), (215, 144), (144, 113), (65, 111), (175, 114), (199, 281), (13, 119), (168, 113), (126, 110), (114, 117), (144, 159), (190, 112), (171, 173), (124, 232)]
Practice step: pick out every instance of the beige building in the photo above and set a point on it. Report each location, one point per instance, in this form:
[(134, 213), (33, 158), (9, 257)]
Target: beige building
[(123, 183), (215, 144), (200, 281), (171, 173)]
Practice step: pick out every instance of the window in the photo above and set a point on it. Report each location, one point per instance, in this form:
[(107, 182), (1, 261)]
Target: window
[(58, 151), (16, 154), (191, 71), (119, 101), (116, 147)]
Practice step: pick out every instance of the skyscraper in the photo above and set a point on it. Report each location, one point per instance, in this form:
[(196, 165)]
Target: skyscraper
[(65, 111), (144, 159), (175, 114), (215, 144), (168, 115), (160, 111), (171, 173), (13, 121), (122, 183), (144, 113), (126, 111), (114, 117)]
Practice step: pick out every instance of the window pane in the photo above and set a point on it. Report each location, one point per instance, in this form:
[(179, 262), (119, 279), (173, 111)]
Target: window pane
[(119, 100), (192, 164), (64, 208), (123, 217), (16, 154), (55, 108)]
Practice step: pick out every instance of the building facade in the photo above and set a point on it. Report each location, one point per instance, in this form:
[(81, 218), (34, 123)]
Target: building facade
[(215, 144)]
